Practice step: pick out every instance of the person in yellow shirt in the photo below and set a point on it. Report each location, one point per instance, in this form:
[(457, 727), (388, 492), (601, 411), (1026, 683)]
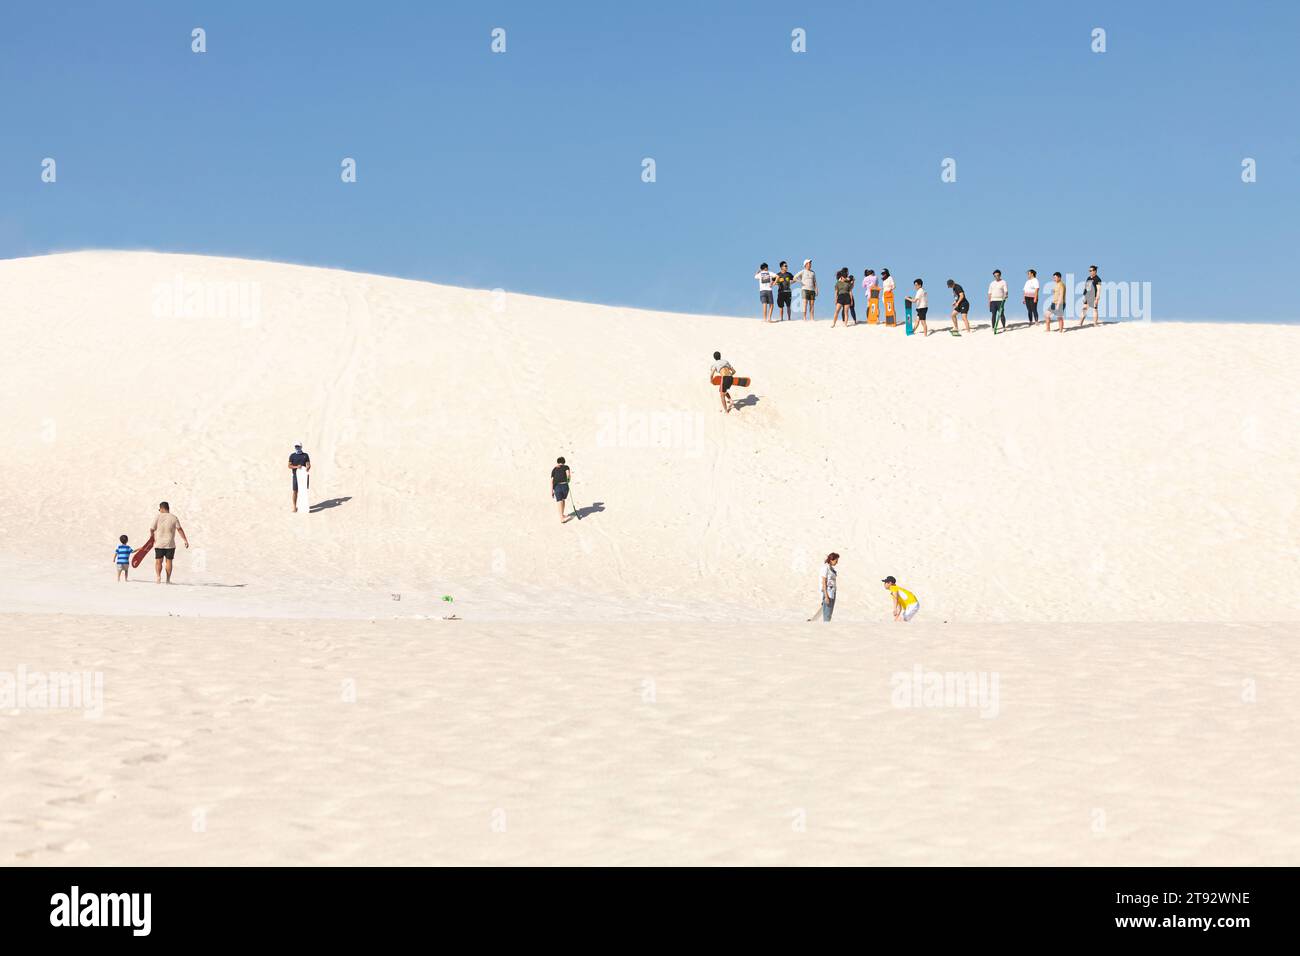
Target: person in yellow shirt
[(905, 603)]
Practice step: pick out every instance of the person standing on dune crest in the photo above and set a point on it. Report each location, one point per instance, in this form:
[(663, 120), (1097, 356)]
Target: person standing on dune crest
[(808, 279), (164, 529)]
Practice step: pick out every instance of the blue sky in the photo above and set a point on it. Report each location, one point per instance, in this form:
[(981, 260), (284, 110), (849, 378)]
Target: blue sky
[(522, 170)]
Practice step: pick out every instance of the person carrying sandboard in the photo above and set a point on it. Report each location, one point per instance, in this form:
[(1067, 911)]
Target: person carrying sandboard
[(723, 374), (887, 296), (998, 301), (871, 289), (919, 301)]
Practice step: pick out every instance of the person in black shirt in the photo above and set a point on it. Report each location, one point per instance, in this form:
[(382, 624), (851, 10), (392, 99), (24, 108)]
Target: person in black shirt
[(960, 306), (299, 460), (783, 281), (560, 476)]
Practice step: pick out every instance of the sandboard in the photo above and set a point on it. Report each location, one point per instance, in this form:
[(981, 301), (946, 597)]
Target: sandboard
[(735, 380), (891, 317), (873, 310), (907, 313), (304, 490), (141, 552)]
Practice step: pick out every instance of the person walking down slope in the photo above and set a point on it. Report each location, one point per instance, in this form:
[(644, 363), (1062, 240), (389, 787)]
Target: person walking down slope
[(905, 603), (560, 478), (998, 301), (828, 585), (808, 279), (166, 526), (724, 370), (765, 280), (299, 460)]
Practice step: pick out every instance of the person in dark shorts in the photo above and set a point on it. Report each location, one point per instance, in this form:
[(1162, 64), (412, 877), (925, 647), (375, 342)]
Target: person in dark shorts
[(843, 296), (765, 279), (783, 280), (164, 529), (299, 460), (921, 304), (560, 477), (960, 306), (723, 369)]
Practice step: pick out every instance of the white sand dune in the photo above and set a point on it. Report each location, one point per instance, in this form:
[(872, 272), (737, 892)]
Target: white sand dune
[(1062, 504)]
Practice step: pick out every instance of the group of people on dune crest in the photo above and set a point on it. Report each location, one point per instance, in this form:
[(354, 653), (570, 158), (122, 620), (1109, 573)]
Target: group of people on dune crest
[(776, 295)]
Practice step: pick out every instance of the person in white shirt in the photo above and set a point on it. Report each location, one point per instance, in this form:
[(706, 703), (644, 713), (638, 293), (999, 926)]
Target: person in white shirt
[(998, 301), (828, 585), (886, 297), (765, 279), (724, 370), (1031, 296), (808, 279), (872, 292), (921, 303)]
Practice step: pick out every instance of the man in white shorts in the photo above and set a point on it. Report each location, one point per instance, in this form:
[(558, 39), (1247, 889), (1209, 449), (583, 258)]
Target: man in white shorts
[(905, 603)]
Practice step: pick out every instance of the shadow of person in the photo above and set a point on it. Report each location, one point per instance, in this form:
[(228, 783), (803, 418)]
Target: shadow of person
[(329, 503), (747, 402), (596, 507)]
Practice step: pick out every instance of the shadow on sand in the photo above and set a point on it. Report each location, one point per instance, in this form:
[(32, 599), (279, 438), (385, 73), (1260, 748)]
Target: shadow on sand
[(596, 507), (329, 503)]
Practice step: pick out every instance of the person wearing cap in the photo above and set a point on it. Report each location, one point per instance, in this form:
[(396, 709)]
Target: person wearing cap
[(808, 279), (905, 603), (298, 459)]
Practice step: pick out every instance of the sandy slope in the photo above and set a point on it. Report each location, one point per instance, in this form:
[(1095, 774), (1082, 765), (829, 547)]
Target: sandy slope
[(623, 688), (1125, 473), (470, 743)]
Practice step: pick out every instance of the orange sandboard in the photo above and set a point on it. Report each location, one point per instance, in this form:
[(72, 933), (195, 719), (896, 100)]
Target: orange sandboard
[(873, 310), (891, 317), (742, 382), (139, 555)]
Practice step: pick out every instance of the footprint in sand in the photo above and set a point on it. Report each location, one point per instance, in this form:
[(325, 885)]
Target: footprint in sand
[(145, 758)]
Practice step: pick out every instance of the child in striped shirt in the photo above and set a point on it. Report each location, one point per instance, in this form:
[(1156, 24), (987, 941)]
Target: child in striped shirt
[(123, 556)]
